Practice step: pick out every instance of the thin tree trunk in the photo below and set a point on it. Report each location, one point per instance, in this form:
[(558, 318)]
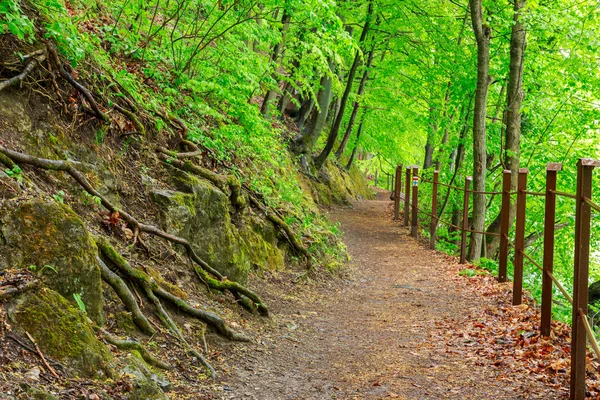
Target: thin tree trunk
[(320, 159), (482, 34), (310, 133), (358, 132), (512, 118), (428, 161), (361, 90), (277, 50)]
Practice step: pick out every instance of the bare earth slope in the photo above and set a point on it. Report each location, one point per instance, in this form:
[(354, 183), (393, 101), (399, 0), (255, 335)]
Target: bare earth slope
[(373, 336)]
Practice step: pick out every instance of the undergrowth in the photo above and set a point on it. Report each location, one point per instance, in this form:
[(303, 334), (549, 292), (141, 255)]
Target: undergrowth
[(164, 55)]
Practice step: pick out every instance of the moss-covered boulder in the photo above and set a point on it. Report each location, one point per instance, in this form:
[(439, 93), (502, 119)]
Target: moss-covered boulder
[(201, 213), (62, 332), (51, 240), (147, 384)]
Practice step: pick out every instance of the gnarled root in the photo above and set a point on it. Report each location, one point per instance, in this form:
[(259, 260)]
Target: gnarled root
[(126, 297), (274, 218), (80, 88), (228, 184), (71, 168), (141, 130), (142, 279), (150, 286), (15, 80), (122, 344)]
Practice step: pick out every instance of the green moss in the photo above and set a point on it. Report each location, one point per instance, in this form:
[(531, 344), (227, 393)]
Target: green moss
[(62, 332), (44, 233), (124, 321)]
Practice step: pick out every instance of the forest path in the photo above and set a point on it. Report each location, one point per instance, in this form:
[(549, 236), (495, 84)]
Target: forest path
[(374, 336)]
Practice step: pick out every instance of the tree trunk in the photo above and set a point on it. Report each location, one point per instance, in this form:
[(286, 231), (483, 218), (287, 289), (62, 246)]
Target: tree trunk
[(277, 50), (306, 108), (360, 128), (287, 90), (320, 159), (428, 162), (482, 34), (304, 143), (514, 99), (361, 90)]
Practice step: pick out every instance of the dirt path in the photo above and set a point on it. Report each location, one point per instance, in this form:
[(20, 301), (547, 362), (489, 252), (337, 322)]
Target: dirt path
[(370, 337)]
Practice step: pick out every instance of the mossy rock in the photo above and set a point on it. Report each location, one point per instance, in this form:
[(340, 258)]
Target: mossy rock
[(203, 218), (62, 332), (147, 385), (49, 238)]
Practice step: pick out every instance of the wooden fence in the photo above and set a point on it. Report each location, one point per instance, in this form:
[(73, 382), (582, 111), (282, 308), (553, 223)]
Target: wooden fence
[(581, 329)]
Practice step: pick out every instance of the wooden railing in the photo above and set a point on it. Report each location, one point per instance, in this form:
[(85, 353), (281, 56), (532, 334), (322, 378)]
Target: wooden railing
[(581, 329)]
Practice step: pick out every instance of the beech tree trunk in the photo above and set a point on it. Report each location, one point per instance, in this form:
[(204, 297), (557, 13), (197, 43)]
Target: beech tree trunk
[(305, 142), (512, 117), (320, 159), (356, 106), (482, 34), (277, 50), (353, 155)]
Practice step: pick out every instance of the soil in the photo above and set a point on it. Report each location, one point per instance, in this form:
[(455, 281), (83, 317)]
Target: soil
[(377, 333)]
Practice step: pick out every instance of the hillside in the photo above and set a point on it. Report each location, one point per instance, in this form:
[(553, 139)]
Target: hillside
[(137, 222)]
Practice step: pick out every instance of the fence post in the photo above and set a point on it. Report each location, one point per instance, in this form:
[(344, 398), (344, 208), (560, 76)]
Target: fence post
[(520, 237), (504, 225), (407, 196), (397, 192), (465, 224), (376, 177), (434, 192), (415, 202), (580, 279), (549, 221)]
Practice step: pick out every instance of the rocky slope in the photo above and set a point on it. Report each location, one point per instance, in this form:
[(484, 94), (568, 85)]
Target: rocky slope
[(123, 266)]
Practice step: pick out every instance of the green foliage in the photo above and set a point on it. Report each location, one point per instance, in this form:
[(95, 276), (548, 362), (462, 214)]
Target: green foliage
[(79, 302), (13, 20), (33, 268), (59, 196), (15, 172)]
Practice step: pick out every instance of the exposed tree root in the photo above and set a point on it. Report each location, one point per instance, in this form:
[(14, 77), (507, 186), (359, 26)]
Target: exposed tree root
[(80, 88), (274, 218), (228, 184), (134, 119), (142, 279), (233, 287), (7, 161), (11, 290), (122, 344), (126, 297), (70, 167), (35, 61), (150, 286)]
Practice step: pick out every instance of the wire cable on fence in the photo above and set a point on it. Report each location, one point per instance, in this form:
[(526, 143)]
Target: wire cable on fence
[(535, 193), (550, 275), (591, 204), (590, 333), (456, 227), (564, 194)]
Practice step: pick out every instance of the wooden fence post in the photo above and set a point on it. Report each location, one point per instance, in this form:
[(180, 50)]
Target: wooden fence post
[(504, 228), (415, 202), (585, 168), (520, 237), (407, 196), (397, 192), (549, 221), (465, 224), (434, 192)]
